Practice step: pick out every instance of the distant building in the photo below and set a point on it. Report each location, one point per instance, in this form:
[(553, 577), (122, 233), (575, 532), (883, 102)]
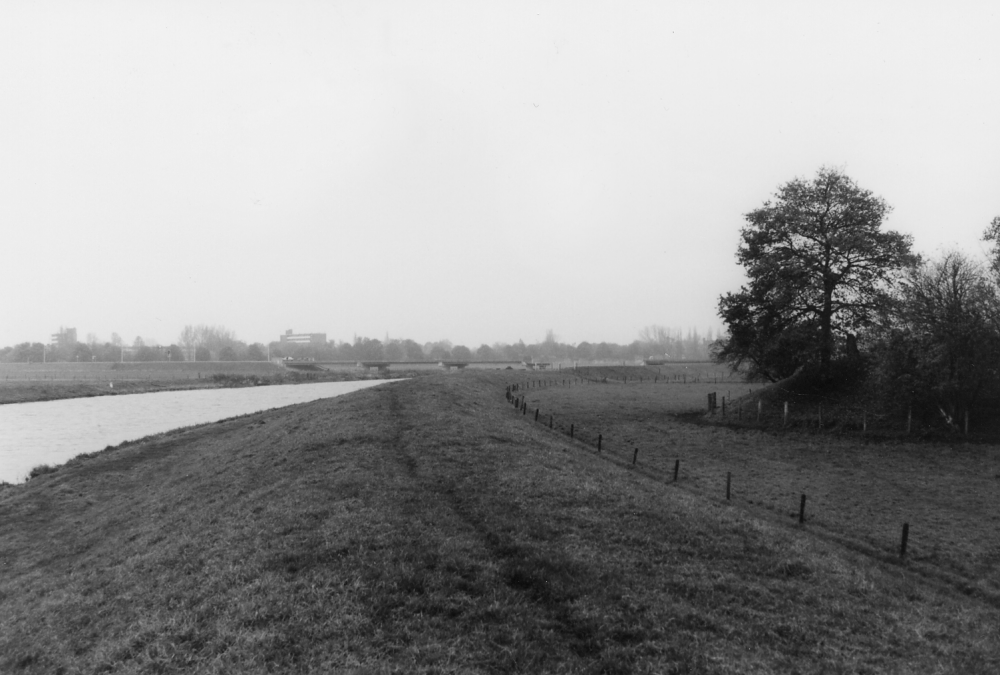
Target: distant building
[(66, 337), (303, 338)]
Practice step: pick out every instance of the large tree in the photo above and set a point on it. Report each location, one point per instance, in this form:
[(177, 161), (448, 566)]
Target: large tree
[(818, 267)]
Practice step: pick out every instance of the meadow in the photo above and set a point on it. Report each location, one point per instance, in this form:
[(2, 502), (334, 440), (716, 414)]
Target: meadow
[(859, 490), (425, 526)]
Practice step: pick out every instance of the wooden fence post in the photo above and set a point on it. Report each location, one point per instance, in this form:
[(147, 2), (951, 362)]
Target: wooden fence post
[(906, 535), (802, 510), (729, 481), (635, 456), (677, 468)]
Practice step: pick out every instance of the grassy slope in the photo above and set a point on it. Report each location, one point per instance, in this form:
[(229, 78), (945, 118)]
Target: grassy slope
[(858, 492), (424, 527)]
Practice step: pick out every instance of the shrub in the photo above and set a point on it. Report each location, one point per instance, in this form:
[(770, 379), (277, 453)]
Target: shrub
[(41, 470)]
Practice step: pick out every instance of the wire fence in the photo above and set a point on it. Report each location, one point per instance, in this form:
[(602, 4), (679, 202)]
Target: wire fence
[(671, 466)]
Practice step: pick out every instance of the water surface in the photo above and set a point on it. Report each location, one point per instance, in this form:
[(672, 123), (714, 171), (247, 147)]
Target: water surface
[(52, 432)]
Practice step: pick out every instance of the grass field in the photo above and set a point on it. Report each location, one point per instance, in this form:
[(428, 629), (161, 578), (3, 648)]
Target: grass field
[(425, 527), (858, 493)]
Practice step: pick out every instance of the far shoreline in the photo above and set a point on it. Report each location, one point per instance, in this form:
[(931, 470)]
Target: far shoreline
[(36, 391)]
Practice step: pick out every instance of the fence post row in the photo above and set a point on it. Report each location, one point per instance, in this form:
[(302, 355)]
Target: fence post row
[(729, 475)]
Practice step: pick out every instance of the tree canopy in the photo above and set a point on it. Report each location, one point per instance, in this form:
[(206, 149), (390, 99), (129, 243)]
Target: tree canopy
[(818, 267)]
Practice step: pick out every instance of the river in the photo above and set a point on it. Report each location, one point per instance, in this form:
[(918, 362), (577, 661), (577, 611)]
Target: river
[(53, 432)]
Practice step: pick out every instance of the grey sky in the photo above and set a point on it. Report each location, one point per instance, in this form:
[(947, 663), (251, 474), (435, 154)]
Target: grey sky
[(471, 171)]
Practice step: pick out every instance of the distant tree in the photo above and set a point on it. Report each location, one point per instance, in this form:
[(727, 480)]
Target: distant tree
[(633, 350), (173, 353), (485, 353), (82, 352), (413, 351), (211, 338), (438, 352), (368, 349), (202, 354), (146, 353), (393, 351), (256, 352), (461, 353), (603, 351), (106, 352), (434, 350), (583, 351), (228, 353), (656, 340), (819, 267), (27, 352)]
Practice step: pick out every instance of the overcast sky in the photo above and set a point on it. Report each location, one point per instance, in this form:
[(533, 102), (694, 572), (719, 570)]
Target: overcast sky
[(473, 171)]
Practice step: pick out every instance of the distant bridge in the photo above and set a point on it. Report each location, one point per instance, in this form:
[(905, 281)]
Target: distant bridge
[(303, 364)]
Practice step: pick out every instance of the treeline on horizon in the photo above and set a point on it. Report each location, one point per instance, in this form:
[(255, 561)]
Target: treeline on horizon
[(217, 343)]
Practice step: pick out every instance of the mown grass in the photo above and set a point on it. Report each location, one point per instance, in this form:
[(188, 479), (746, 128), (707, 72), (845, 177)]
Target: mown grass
[(425, 527)]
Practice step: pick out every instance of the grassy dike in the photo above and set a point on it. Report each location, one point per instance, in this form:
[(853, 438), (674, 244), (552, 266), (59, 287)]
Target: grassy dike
[(423, 526)]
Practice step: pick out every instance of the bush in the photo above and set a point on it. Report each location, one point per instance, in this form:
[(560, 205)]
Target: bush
[(41, 470)]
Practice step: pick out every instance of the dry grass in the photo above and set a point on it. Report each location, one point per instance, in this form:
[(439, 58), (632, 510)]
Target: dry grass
[(425, 527)]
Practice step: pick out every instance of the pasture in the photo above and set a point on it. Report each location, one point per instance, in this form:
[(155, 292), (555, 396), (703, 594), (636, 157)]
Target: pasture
[(426, 527), (859, 491)]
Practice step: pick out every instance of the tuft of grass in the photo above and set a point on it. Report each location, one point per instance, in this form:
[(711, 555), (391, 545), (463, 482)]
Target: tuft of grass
[(41, 470)]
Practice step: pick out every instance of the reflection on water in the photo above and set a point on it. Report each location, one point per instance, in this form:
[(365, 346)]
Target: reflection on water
[(52, 432)]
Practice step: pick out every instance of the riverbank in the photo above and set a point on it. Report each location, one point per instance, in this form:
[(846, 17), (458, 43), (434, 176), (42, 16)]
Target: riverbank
[(424, 526), (28, 391)]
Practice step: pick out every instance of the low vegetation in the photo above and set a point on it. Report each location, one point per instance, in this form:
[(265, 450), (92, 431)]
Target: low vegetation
[(424, 526)]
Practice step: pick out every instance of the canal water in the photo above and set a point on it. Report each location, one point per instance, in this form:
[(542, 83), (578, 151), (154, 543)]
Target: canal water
[(53, 432)]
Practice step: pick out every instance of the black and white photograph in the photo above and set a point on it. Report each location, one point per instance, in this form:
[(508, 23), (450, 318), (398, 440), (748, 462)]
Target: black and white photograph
[(437, 337)]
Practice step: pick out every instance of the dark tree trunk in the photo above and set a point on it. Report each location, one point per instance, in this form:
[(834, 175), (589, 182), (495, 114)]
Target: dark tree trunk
[(826, 327)]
